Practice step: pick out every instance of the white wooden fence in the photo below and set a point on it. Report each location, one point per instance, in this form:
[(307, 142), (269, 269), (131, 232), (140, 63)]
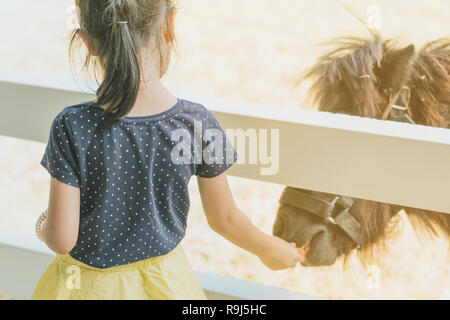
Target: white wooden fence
[(364, 158)]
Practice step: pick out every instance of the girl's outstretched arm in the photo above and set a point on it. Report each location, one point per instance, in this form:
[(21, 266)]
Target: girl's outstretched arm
[(60, 230), (225, 218)]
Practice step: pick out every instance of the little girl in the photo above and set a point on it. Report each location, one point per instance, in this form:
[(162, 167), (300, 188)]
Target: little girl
[(120, 168)]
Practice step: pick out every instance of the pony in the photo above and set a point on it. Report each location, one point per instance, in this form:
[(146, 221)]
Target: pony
[(375, 78)]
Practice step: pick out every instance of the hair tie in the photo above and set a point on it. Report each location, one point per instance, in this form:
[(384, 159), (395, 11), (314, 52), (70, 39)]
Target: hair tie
[(122, 22)]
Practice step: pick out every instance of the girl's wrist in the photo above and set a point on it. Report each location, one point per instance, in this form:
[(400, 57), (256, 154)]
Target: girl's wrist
[(265, 245)]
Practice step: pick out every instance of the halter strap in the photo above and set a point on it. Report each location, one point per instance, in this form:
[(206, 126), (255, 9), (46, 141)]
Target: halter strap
[(325, 210), (396, 112), (392, 101)]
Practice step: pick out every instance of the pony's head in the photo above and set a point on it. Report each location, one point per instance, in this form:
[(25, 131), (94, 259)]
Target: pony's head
[(375, 79)]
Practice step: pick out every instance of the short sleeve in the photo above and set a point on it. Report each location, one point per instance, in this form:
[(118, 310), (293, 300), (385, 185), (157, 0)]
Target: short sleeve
[(60, 157), (217, 150)]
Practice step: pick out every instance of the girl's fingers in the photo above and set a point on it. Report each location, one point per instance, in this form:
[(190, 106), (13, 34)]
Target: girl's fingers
[(302, 253), (306, 246)]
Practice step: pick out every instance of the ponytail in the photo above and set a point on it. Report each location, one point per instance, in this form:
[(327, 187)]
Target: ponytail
[(122, 73)]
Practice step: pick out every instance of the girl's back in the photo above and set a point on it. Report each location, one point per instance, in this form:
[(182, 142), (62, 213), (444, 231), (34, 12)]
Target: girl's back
[(133, 185)]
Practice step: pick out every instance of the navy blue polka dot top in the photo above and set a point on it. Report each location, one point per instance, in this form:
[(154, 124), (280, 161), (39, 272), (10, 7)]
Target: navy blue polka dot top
[(133, 177)]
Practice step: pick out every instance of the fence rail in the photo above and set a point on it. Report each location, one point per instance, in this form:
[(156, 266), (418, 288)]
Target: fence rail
[(363, 158), (357, 157)]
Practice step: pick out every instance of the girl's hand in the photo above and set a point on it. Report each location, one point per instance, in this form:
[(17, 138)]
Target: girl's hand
[(280, 254)]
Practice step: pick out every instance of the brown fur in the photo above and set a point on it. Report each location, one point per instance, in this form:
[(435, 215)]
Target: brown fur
[(358, 78)]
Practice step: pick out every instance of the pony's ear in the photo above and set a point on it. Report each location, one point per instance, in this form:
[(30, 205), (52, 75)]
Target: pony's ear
[(396, 68)]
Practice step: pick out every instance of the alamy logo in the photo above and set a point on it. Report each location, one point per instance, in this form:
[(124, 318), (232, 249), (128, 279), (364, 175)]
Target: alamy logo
[(219, 150), (73, 280), (258, 148)]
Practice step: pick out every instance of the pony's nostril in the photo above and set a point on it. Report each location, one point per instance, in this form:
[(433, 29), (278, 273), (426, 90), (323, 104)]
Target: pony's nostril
[(320, 251)]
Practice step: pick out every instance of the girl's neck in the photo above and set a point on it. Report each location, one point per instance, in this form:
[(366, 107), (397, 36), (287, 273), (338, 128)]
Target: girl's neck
[(152, 98)]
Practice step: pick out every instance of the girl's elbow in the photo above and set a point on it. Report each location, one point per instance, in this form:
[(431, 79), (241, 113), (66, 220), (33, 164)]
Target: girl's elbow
[(62, 251), (62, 247), (60, 240), (222, 223), (216, 227)]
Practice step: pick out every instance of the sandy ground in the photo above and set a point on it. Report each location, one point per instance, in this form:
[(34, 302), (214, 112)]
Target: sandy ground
[(247, 50)]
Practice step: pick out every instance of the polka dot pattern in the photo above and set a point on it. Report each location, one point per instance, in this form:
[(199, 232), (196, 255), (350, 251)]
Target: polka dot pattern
[(134, 197)]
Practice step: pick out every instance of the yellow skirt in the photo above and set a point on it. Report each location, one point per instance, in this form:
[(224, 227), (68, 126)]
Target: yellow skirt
[(167, 277)]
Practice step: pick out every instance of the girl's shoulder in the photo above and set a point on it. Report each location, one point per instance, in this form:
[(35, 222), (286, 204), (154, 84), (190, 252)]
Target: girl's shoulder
[(195, 109), (71, 113), (199, 112), (68, 116)]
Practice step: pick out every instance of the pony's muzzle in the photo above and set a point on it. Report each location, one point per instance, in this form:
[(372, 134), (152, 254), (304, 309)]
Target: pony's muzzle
[(293, 225)]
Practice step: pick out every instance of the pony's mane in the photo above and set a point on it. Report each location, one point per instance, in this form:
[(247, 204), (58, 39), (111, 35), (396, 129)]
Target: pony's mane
[(351, 58), (350, 74), (351, 67), (430, 84)]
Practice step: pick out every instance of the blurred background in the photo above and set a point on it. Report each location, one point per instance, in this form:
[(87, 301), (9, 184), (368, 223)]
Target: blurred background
[(250, 50)]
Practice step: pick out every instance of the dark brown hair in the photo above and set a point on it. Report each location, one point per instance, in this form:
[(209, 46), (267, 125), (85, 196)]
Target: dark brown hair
[(341, 86), (359, 77), (119, 30)]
